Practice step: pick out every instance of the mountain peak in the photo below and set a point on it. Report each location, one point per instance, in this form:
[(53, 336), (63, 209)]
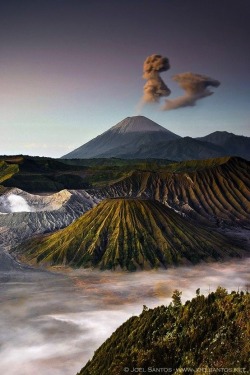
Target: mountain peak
[(137, 124), (125, 138)]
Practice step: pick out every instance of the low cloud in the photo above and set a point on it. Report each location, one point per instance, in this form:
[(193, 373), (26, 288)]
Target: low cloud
[(52, 324)]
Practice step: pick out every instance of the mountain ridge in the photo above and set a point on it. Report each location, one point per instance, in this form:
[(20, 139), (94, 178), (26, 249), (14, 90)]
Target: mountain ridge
[(139, 137), (217, 190)]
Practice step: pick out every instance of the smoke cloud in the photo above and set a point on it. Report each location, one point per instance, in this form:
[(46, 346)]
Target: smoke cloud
[(195, 87), (155, 87), (18, 204)]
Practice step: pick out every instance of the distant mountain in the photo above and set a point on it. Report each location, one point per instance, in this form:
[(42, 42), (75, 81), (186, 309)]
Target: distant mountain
[(127, 137), (206, 331), (232, 144), (138, 137), (128, 234), (186, 148)]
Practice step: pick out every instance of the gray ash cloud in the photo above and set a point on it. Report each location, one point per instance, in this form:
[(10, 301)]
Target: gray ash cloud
[(196, 87), (155, 87)]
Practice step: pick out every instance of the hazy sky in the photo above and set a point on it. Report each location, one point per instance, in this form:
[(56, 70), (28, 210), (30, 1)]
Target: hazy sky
[(71, 69)]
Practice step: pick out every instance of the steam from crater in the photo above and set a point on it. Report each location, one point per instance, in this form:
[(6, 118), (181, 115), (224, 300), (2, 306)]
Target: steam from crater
[(18, 204)]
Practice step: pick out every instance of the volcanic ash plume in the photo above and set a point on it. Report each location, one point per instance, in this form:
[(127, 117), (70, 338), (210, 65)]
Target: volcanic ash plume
[(155, 87), (195, 87)]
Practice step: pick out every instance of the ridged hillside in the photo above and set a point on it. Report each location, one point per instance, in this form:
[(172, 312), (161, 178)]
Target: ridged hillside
[(206, 333), (128, 234), (215, 189)]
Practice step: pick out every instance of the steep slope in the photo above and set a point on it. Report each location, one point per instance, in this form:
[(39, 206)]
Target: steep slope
[(128, 234), (205, 333), (124, 138), (217, 190)]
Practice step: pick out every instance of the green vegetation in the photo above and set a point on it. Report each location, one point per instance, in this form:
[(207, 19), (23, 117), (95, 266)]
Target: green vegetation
[(7, 170), (116, 162), (128, 234), (203, 334), (195, 165), (41, 174)]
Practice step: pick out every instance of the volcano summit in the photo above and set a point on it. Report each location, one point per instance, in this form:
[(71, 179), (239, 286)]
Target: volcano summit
[(141, 138), (127, 137)]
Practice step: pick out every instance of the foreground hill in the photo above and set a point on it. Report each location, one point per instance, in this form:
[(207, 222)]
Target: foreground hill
[(205, 333), (128, 234), (217, 190)]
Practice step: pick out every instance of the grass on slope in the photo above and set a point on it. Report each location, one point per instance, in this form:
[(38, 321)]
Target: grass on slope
[(7, 170), (128, 234), (194, 165)]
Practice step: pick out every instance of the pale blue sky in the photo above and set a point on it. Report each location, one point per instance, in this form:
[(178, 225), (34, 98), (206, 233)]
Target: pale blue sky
[(70, 70)]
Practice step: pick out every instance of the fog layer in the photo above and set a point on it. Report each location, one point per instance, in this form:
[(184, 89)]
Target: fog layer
[(51, 324)]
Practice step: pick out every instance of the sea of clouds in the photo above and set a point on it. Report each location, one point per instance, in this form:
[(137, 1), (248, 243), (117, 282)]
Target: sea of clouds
[(51, 324)]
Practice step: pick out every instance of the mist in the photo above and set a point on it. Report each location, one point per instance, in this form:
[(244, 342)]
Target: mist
[(18, 204), (13, 203), (51, 324)]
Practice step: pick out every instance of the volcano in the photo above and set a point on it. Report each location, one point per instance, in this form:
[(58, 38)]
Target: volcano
[(128, 234), (127, 137), (141, 138)]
